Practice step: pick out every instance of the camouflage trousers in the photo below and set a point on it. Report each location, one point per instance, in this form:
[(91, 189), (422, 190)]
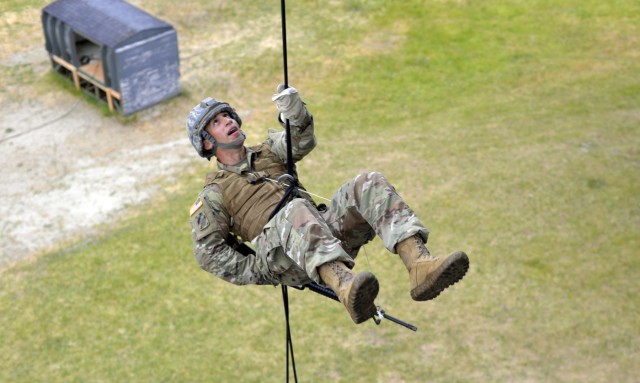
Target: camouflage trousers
[(301, 238)]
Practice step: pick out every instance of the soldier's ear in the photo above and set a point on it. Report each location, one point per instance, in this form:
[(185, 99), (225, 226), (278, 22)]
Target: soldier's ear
[(207, 145)]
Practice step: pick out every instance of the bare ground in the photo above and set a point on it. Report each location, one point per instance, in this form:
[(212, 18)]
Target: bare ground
[(67, 168)]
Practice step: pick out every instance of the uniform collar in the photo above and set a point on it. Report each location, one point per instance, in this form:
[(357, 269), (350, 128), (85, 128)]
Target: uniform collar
[(245, 165)]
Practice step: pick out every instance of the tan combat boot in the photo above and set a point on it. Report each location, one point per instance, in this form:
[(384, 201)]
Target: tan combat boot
[(356, 292), (429, 275)]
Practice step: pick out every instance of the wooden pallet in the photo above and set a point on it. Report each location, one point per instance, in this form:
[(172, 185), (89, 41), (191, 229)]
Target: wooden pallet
[(92, 73)]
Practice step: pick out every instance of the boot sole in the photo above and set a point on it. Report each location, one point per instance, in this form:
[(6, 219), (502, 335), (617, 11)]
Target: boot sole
[(364, 291), (446, 275)]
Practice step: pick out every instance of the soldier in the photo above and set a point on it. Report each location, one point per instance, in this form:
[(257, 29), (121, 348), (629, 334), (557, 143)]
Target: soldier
[(303, 242)]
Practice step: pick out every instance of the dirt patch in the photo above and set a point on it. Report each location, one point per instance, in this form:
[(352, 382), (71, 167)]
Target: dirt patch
[(66, 167)]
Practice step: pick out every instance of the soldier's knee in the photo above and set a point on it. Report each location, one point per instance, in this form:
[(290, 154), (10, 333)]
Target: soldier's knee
[(376, 176), (366, 181), (368, 177)]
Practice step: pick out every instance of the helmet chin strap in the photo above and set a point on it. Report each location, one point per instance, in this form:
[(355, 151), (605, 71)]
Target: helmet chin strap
[(235, 144)]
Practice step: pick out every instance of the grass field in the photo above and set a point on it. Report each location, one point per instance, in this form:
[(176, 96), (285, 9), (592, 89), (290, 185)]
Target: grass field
[(511, 127)]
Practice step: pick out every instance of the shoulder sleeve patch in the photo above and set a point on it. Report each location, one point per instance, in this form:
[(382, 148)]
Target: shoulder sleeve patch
[(203, 219)]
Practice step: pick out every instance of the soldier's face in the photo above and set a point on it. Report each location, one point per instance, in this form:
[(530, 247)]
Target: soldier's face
[(223, 128)]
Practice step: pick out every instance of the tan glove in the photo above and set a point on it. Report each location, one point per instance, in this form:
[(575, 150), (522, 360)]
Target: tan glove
[(290, 105)]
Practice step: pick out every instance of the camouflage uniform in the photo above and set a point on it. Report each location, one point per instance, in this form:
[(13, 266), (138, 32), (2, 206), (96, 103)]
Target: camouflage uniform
[(300, 237)]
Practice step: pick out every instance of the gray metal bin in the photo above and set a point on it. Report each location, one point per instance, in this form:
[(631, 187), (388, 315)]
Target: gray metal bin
[(113, 50)]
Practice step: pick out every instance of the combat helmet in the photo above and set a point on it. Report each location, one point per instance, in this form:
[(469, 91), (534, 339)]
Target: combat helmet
[(198, 119)]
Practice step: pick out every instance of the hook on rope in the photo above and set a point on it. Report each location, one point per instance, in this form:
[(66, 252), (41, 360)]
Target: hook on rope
[(381, 314), (377, 318)]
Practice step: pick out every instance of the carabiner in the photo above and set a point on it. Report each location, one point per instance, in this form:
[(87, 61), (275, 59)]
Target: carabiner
[(284, 177)]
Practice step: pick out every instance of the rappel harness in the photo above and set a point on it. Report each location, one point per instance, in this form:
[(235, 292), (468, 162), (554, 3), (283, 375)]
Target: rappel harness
[(290, 181)]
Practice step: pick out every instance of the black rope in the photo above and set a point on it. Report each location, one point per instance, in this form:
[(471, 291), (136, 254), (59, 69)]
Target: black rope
[(288, 195), (285, 298), (284, 44), (290, 190), (286, 84)]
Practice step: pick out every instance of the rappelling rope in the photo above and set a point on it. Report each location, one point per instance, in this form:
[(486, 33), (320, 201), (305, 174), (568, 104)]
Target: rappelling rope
[(292, 189), (289, 193)]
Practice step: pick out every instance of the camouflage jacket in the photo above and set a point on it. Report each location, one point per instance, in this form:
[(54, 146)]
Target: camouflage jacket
[(210, 217)]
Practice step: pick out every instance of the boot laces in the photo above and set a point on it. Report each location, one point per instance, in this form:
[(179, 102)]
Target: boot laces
[(423, 252), (344, 277)]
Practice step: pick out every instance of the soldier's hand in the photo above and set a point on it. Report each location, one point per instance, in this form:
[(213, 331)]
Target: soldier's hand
[(289, 104)]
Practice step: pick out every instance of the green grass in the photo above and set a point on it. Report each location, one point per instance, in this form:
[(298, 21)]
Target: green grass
[(510, 127)]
